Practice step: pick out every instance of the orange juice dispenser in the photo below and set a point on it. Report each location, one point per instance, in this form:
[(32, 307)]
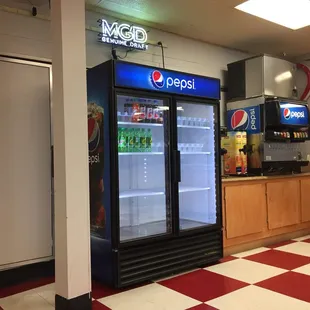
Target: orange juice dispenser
[(235, 160)]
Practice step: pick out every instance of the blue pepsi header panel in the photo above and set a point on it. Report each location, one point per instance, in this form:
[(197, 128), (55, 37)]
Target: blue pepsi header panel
[(247, 119), (161, 80), (294, 114)]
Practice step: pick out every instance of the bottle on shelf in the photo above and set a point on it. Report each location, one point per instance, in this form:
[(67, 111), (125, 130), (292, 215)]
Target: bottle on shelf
[(142, 140), (148, 141), (149, 114), (161, 117), (142, 113), (131, 140), (121, 139), (155, 115), (135, 112), (137, 139), (118, 135)]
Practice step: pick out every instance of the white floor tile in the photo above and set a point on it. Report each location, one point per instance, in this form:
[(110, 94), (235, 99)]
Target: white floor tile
[(47, 292), (302, 238), (256, 298), (149, 297), (25, 301), (251, 252), (246, 271), (304, 270), (176, 275), (300, 248)]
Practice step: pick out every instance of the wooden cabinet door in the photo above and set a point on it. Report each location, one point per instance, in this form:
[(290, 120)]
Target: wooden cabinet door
[(283, 203), (305, 200), (245, 207)]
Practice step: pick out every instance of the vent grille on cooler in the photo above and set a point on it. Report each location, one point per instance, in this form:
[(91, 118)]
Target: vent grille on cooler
[(141, 263)]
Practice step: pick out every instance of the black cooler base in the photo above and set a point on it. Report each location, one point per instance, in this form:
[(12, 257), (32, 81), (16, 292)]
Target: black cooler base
[(137, 264)]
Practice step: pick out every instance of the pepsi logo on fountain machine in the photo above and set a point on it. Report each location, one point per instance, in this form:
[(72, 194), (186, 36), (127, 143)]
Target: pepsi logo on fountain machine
[(294, 114), (288, 114), (247, 119)]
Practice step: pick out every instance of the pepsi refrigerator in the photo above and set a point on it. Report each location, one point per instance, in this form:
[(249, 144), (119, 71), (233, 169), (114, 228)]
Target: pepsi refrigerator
[(277, 129), (155, 186)]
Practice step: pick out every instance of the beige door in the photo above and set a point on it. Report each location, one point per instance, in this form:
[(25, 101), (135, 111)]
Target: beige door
[(25, 163)]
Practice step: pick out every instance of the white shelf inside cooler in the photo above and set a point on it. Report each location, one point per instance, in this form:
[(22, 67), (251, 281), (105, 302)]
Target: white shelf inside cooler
[(194, 127), (195, 153), (157, 192), (141, 124), (141, 193), (186, 189), (140, 153), (160, 153)]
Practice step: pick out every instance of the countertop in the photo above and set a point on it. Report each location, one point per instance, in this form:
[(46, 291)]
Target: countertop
[(257, 178)]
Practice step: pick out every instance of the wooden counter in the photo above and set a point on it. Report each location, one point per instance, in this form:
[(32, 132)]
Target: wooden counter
[(258, 211)]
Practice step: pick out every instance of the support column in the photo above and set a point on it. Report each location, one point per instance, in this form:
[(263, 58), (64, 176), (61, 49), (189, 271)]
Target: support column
[(72, 227)]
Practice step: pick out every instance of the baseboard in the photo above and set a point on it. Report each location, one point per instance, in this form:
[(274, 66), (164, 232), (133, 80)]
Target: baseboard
[(27, 273), (238, 248), (83, 302)]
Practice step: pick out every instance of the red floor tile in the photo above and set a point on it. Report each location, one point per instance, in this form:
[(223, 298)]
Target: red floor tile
[(99, 306), (202, 307), (280, 259), (307, 240), (276, 245), (292, 284), (203, 285), (99, 290), (12, 290), (228, 259)]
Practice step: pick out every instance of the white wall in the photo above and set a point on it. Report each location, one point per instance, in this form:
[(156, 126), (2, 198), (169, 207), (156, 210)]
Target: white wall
[(28, 36)]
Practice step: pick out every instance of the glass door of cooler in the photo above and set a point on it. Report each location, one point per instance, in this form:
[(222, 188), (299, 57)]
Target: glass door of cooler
[(143, 159), (196, 125)]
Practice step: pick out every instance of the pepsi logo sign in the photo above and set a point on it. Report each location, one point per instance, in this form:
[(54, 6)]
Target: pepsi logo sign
[(241, 120), (287, 113), (157, 79)]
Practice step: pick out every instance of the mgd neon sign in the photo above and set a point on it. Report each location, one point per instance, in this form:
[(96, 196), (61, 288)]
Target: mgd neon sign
[(123, 35)]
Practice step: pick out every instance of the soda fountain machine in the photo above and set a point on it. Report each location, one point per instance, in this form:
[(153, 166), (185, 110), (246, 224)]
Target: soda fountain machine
[(262, 102)]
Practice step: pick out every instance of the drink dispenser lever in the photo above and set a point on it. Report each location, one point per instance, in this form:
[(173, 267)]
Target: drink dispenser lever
[(223, 151), (247, 149)]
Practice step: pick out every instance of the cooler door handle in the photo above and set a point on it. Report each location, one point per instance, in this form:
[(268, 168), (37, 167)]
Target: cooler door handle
[(177, 166)]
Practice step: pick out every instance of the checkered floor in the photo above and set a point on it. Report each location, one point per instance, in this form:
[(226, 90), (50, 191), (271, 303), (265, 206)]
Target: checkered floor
[(269, 278)]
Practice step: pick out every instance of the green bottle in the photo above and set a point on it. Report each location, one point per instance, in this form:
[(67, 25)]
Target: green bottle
[(131, 140), (142, 141), (118, 138), (122, 140), (149, 140), (126, 133), (137, 140)]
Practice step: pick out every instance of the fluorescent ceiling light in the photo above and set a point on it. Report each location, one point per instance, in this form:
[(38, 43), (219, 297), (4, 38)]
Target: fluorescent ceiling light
[(293, 14)]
